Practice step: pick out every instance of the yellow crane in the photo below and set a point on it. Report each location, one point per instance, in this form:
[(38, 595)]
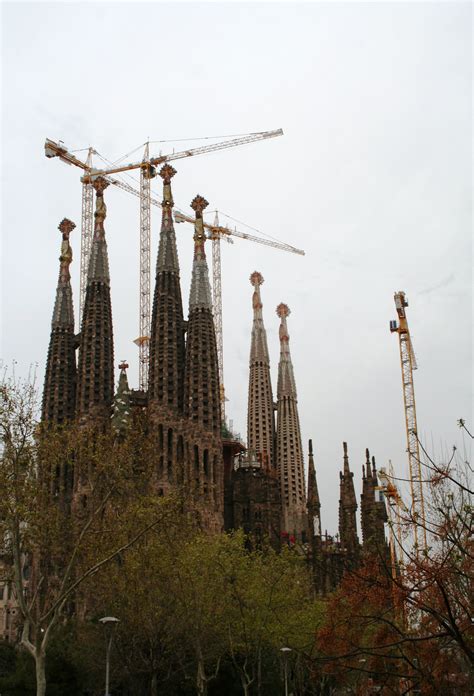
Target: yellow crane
[(408, 364), (395, 507), (147, 167), (216, 232)]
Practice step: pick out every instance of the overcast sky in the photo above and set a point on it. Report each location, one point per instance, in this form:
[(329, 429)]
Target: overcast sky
[(372, 179)]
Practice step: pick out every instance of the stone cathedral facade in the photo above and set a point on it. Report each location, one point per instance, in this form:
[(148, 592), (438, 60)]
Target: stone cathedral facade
[(182, 403), (260, 488)]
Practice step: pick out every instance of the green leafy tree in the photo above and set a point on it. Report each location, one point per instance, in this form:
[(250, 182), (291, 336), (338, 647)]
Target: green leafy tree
[(59, 536)]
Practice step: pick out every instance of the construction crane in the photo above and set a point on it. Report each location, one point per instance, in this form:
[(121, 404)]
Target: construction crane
[(217, 232), (147, 168), (408, 364), (395, 507)]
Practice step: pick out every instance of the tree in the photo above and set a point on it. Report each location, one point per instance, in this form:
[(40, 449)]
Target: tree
[(190, 603), (412, 628), (68, 496)]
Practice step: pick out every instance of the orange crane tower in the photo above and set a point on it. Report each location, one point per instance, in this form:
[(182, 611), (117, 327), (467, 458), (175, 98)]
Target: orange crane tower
[(147, 171), (216, 233), (408, 364)]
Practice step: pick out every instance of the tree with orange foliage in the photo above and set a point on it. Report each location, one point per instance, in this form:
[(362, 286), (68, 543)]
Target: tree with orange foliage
[(411, 631)]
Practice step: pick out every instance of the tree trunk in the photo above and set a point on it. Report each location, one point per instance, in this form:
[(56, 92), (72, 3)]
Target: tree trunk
[(40, 664), (201, 681), (245, 685), (154, 685)]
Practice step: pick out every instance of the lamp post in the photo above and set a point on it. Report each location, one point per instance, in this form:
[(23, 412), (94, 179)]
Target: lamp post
[(285, 652), (108, 621)]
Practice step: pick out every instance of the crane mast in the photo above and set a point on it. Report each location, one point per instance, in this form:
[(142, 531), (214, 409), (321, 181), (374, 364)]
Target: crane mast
[(408, 364), (147, 172), (395, 505), (86, 236), (217, 306), (143, 340)]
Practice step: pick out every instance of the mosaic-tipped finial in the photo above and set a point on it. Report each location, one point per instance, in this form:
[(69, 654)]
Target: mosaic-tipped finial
[(310, 448), (123, 365), (66, 226), (283, 310), (344, 446), (198, 204), (256, 279), (167, 172), (100, 184)]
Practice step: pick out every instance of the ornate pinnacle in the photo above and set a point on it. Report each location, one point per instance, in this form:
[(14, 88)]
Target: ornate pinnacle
[(374, 468), (66, 227), (123, 365), (256, 278), (344, 445), (310, 447), (100, 184), (283, 310), (367, 455), (167, 172), (198, 204)]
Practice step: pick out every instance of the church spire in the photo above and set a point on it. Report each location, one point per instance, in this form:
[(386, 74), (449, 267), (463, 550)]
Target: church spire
[(60, 376), (286, 380), (121, 415), (348, 508), (373, 513), (313, 504), (201, 382), (260, 416), (314, 524), (166, 373), (96, 352), (289, 450), (200, 294)]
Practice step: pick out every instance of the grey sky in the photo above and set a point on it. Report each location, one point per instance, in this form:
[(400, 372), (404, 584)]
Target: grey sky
[(372, 178)]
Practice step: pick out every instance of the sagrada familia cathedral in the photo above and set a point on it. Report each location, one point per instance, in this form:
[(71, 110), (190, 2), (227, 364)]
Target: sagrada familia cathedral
[(259, 487)]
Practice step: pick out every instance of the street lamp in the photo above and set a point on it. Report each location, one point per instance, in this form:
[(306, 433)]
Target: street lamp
[(108, 621), (285, 652)]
